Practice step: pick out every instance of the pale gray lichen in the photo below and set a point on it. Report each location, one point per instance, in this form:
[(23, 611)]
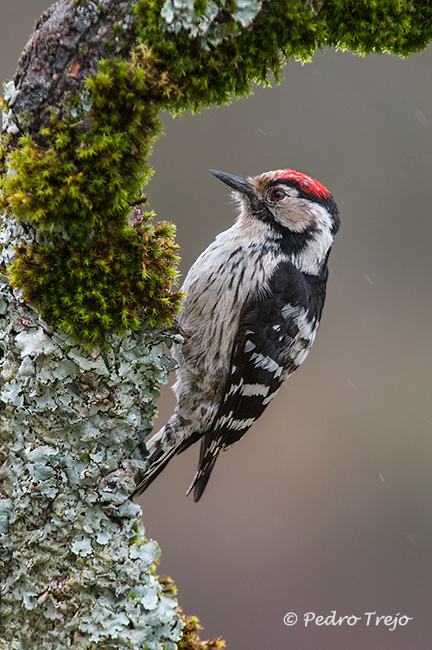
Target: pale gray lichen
[(246, 11), (12, 232), (182, 15), (75, 567), (10, 95)]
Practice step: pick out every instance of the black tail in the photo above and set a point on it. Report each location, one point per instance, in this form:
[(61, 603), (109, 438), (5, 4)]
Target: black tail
[(158, 460), (205, 467)]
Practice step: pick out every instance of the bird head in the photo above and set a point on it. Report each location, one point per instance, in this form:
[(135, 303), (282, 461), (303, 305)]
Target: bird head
[(296, 209)]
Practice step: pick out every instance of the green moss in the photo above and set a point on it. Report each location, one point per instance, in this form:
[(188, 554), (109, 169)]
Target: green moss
[(96, 272), (284, 29), (287, 28), (365, 26), (108, 283), (190, 639), (80, 178), (168, 585), (91, 175), (199, 6)]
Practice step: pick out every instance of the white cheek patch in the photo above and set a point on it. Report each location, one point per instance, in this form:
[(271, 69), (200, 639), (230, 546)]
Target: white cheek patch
[(311, 257)]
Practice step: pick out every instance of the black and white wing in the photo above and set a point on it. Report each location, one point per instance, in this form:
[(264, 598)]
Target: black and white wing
[(274, 336)]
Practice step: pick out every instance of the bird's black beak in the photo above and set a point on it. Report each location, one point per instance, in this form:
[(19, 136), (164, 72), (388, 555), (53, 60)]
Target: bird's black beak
[(236, 182)]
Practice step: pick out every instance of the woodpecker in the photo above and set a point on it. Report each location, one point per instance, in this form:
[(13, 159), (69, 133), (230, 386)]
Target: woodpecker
[(252, 307)]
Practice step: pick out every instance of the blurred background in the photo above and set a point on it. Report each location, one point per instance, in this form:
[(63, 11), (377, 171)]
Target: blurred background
[(326, 503)]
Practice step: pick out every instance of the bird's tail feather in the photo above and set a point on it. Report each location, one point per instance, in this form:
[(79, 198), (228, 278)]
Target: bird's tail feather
[(208, 456), (158, 460), (200, 481)]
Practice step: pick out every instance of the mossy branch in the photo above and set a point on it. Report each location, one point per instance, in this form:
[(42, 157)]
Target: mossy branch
[(76, 143), (85, 273)]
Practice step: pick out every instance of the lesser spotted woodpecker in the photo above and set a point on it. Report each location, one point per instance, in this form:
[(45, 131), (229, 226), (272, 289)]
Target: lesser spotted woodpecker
[(252, 306)]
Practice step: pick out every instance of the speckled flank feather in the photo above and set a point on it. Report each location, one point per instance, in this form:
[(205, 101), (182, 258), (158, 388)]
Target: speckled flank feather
[(253, 305)]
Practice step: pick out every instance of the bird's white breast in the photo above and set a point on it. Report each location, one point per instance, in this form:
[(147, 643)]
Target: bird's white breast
[(227, 274)]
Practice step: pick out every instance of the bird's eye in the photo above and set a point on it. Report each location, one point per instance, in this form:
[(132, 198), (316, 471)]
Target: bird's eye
[(277, 194)]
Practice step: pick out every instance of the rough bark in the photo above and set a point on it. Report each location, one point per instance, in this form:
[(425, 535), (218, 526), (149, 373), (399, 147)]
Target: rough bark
[(65, 47), (75, 568)]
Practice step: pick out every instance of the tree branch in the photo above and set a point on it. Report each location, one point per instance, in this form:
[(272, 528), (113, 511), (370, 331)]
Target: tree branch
[(85, 285)]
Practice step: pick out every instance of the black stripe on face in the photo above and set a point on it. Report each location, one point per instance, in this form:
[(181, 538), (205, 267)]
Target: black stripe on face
[(327, 201), (289, 241)]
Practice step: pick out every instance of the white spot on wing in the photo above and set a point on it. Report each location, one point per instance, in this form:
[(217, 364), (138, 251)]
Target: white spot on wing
[(266, 363), (301, 356), (235, 388), (249, 346), (307, 327), (255, 389), (238, 425), (235, 425), (270, 397)]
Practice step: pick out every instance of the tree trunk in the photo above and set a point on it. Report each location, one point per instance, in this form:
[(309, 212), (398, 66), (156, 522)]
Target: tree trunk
[(84, 286), (76, 568)]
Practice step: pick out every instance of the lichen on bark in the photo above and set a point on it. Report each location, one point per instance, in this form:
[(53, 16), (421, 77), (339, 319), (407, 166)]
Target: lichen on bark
[(80, 356), (75, 565)]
